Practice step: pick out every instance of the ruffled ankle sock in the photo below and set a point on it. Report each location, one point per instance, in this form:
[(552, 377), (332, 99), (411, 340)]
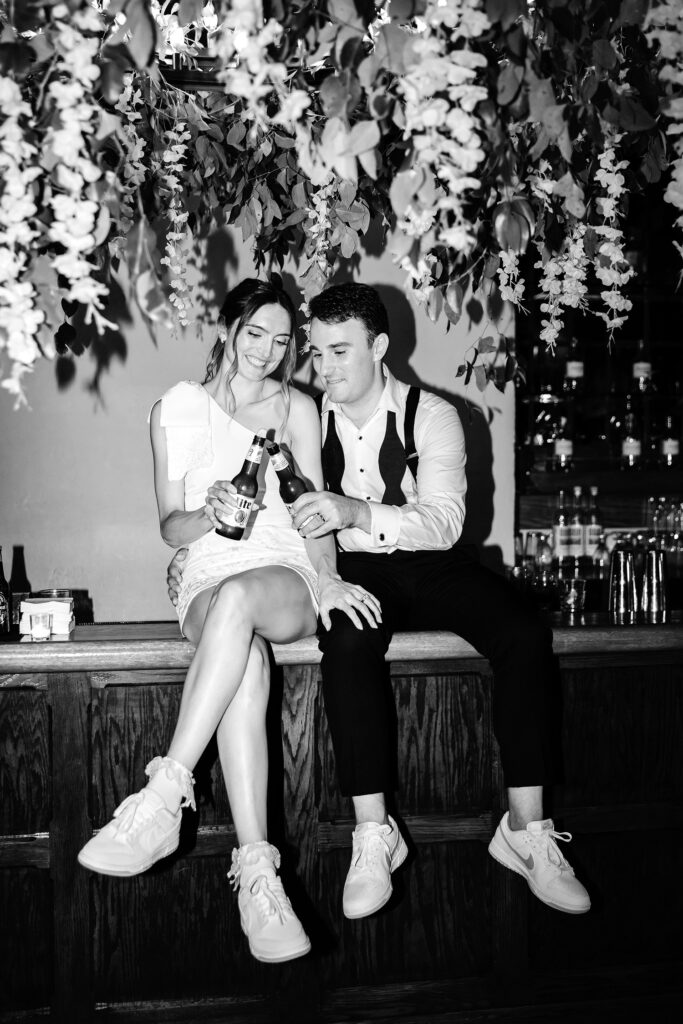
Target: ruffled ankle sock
[(172, 781)]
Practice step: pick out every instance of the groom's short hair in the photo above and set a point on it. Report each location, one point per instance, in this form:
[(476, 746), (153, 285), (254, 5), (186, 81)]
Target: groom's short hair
[(351, 301)]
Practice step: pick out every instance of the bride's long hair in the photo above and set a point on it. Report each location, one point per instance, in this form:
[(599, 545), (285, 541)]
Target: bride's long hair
[(239, 306)]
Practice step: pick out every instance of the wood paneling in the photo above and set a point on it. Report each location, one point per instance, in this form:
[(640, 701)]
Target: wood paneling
[(25, 938), (461, 936), (69, 829), (25, 771)]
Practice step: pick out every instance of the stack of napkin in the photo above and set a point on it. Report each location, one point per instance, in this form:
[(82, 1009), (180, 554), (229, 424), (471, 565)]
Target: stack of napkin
[(62, 609)]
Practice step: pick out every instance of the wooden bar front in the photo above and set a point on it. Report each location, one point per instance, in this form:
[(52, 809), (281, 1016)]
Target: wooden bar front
[(461, 939)]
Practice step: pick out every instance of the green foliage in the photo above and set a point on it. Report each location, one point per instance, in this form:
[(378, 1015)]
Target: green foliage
[(554, 80)]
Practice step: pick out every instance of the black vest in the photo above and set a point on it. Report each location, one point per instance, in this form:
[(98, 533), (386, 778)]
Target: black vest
[(392, 457)]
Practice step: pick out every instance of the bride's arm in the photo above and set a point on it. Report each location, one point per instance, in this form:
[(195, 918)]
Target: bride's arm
[(177, 526)]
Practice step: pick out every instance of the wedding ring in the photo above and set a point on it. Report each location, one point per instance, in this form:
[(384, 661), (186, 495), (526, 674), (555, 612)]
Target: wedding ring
[(312, 516)]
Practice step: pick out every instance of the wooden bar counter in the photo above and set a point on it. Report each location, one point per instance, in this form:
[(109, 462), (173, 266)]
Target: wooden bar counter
[(461, 940)]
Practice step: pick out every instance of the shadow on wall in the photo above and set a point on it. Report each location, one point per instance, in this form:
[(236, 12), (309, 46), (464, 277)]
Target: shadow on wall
[(74, 337), (480, 484)]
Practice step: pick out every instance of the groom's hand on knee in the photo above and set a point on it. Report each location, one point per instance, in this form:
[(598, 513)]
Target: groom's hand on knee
[(174, 574)]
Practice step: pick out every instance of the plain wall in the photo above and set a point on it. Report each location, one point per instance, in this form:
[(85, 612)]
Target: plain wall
[(76, 484)]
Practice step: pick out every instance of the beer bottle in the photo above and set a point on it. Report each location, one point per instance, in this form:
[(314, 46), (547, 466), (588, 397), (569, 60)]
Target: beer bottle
[(246, 486), (291, 485), (18, 582), (5, 602), (593, 524)]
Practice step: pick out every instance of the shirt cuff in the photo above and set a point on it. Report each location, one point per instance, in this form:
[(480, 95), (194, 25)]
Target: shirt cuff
[(385, 524)]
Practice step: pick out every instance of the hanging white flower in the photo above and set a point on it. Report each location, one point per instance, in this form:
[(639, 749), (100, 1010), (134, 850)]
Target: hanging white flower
[(440, 93), (664, 30), (20, 319), (611, 267), (169, 168), (73, 197)]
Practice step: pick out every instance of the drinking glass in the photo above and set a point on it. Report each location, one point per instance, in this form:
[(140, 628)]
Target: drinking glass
[(572, 596), (41, 625)]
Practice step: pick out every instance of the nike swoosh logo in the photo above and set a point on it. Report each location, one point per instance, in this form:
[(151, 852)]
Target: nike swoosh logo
[(527, 861)]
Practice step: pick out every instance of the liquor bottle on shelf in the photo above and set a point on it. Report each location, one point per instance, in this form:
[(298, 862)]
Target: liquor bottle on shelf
[(576, 525), (563, 449), (592, 525), (600, 559), (246, 485), (18, 582), (642, 366), (561, 529), (631, 438), (573, 370), (573, 394), (5, 602), (669, 445), (644, 399)]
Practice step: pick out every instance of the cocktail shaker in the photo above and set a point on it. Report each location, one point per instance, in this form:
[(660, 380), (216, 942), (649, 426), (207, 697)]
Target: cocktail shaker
[(623, 598), (653, 588)]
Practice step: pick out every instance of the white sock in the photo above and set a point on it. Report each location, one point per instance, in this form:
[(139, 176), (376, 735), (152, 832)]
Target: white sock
[(167, 788)]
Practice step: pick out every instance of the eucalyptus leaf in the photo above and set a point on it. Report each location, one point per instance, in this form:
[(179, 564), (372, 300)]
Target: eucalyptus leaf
[(143, 33), (480, 376), (333, 96), (509, 82), (364, 136), (390, 48), (189, 11)]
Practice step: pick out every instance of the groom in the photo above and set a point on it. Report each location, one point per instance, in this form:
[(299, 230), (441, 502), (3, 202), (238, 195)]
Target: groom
[(394, 465)]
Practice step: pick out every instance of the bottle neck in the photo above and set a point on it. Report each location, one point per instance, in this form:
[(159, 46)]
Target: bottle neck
[(253, 457)]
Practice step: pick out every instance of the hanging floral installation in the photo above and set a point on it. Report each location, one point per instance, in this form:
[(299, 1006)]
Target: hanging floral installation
[(470, 134)]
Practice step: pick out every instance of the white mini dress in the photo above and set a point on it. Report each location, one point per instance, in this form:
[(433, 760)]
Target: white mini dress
[(205, 444)]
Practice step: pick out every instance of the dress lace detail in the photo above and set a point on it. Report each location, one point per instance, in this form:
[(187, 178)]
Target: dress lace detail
[(185, 416)]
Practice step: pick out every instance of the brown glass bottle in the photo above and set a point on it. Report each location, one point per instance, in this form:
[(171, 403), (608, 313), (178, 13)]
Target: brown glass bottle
[(291, 485), (246, 485), (5, 602), (18, 582)]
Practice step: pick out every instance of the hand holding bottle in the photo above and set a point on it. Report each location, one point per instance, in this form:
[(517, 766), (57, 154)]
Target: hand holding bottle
[(223, 503), (236, 498)]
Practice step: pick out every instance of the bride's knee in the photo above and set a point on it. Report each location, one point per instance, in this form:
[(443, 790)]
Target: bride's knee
[(232, 599)]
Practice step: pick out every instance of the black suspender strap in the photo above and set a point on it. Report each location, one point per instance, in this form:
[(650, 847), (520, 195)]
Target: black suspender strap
[(412, 401), (412, 458)]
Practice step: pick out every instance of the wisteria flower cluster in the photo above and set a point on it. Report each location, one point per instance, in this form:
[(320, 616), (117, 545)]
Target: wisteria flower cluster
[(664, 29), (563, 284), (170, 168), (76, 211), (134, 170), (467, 132), (20, 319), (611, 267), (440, 94)]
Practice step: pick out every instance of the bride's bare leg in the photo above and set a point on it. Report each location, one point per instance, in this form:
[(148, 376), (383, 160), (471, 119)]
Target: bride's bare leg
[(273, 601), (243, 748)]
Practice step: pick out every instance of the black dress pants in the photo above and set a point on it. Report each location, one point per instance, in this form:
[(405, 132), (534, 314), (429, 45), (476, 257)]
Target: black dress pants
[(438, 590)]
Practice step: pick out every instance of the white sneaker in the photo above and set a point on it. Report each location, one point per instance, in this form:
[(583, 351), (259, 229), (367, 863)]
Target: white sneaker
[(274, 931), (143, 829), (377, 851), (533, 853)]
